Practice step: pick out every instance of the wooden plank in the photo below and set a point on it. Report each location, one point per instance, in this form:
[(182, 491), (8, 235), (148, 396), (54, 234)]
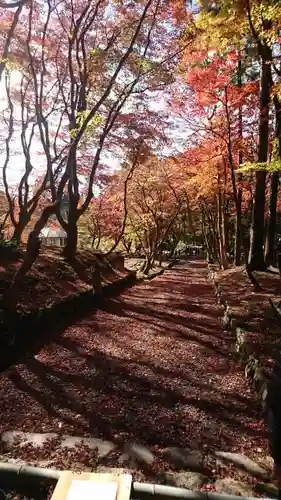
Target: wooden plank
[(92, 489), (62, 486), (99, 487), (125, 485)]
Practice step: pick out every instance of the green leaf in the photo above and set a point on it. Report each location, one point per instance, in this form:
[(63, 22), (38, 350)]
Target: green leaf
[(73, 132), (248, 166)]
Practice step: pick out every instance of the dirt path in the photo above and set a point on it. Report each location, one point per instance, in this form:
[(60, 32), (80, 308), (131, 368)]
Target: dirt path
[(154, 366)]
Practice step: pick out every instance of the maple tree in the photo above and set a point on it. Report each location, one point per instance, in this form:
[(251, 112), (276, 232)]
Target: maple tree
[(24, 201), (142, 126), (87, 78), (88, 92), (234, 43), (217, 106), (8, 24), (150, 210)]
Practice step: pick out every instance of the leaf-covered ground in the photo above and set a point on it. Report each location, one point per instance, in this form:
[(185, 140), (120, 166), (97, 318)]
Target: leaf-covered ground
[(153, 366), (52, 278), (252, 310)]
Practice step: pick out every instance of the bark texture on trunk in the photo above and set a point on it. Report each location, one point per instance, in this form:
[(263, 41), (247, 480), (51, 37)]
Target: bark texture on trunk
[(270, 253), (256, 255), (222, 227), (239, 194), (270, 257), (72, 238), (23, 220), (238, 228)]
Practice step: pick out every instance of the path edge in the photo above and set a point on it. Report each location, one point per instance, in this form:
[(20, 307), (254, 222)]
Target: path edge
[(253, 369), (20, 333)]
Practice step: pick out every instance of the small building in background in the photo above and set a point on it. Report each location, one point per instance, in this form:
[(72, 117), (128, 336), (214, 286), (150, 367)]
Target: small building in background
[(53, 236)]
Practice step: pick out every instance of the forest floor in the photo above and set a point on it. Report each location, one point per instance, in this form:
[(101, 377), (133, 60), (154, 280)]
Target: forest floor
[(52, 278), (252, 310), (152, 366), (135, 264)]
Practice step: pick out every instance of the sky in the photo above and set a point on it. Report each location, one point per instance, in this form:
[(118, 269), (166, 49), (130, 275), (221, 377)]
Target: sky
[(15, 170), (177, 133)]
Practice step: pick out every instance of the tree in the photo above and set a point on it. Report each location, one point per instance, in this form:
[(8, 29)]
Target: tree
[(11, 5), (98, 79), (218, 106), (270, 256), (144, 205), (249, 31), (94, 113), (256, 255), (24, 204), (156, 203), (8, 25)]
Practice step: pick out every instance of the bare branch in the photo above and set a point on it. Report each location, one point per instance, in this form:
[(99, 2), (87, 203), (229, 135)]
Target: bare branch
[(12, 5), (10, 34)]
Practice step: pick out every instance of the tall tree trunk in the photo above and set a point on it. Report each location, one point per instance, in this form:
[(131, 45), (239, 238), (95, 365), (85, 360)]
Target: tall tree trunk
[(190, 218), (72, 238), (173, 248), (210, 236), (238, 221), (17, 234), (270, 257), (73, 214), (24, 219), (238, 227), (148, 263), (213, 233), (256, 255), (221, 227), (205, 238)]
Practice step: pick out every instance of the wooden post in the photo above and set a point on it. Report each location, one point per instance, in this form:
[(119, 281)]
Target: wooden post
[(88, 486)]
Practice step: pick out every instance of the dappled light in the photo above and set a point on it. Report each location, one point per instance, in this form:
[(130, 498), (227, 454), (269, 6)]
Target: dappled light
[(152, 366), (140, 239)]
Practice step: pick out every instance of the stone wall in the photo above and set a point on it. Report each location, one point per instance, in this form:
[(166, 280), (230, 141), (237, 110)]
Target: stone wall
[(252, 366)]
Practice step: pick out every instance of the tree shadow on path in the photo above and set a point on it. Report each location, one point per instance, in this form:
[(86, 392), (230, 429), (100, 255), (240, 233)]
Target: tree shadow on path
[(153, 367)]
